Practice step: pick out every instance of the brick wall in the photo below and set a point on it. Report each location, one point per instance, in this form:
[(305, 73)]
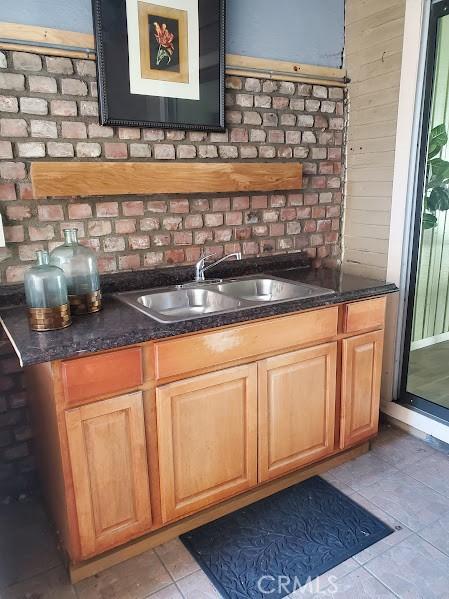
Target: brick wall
[(48, 111), (17, 468)]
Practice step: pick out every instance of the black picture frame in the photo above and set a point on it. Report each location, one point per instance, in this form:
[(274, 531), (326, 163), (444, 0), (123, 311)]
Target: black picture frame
[(119, 107)]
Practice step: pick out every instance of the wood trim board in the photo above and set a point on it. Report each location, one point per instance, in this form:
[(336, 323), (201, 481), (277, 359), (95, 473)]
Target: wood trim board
[(17, 32), (54, 179), (284, 77), (236, 62), (48, 50)]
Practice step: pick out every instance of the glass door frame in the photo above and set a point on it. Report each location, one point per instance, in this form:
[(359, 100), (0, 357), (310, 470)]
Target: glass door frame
[(437, 10)]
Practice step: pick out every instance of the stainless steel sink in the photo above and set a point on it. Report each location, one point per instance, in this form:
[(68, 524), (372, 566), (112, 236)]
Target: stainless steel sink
[(175, 305), (194, 300), (269, 290)]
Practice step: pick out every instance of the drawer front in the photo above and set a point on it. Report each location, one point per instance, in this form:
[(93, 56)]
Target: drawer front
[(86, 378), (365, 315), (214, 349)]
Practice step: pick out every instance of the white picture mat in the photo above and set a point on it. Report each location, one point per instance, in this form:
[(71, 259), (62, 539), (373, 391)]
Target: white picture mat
[(153, 87)]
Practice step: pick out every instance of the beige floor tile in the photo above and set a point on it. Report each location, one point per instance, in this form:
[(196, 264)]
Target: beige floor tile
[(399, 449), (413, 569), (433, 471), (387, 433), (437, 534), (177, 559), (197, 586), (170, 592), (400, 533), (328, 476), (134, 579), (359, 584), (363, 471), (53, 584), (407, 500)]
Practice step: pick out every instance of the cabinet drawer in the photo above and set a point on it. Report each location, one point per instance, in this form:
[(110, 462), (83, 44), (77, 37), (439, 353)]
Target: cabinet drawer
[(103, 374), (213, 349), (364, 315)]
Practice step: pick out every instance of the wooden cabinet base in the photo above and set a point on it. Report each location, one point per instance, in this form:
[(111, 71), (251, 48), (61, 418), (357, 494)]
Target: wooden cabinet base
[(90, 567), (140, 444)]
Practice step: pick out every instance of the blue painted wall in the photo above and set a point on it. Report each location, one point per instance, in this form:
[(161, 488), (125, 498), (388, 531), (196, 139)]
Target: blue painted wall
[(309, 31), (73, 15)]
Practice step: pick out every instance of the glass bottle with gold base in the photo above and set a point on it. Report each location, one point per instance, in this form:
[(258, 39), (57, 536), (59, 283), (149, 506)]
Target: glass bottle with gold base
[(79, 264), (46, 296)]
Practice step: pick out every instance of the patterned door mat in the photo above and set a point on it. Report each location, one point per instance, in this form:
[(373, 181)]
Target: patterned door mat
[(272, 547)]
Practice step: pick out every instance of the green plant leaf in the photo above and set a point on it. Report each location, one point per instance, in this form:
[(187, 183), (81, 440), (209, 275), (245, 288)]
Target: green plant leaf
[(437, 140), (439, 172), (429, 221), (438, 199)]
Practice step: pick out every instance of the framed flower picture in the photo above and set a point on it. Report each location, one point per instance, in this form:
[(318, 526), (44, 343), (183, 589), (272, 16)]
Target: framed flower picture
[(160, 63)]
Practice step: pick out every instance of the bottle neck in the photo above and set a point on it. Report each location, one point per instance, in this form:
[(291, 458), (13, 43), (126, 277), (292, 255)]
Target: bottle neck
[(70, 237), (42, 258)]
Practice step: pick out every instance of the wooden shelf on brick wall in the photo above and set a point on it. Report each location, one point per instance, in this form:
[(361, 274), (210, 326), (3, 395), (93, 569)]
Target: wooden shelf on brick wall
[(50, 179)]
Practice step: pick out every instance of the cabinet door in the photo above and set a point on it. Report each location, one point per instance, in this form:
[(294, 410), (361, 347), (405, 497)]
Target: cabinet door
[(207, 439), (360, 387), (296, 409), (107, 449)]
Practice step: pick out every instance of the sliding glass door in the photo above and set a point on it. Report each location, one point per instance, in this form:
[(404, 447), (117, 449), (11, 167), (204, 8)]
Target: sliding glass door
[(425, 382)]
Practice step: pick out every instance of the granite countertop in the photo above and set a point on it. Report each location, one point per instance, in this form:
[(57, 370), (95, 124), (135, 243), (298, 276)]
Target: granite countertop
[(118, 324)]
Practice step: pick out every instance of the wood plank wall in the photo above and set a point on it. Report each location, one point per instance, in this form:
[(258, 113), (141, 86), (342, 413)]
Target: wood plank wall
[(373, 55)]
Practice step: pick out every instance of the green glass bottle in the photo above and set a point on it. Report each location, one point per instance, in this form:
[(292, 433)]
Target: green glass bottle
[(46, 295), (79, 264)]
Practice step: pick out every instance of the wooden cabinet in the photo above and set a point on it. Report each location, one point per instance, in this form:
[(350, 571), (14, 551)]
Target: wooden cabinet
[(296, 409), (106, 441), (207, 436), (136, 438), (360, 387)]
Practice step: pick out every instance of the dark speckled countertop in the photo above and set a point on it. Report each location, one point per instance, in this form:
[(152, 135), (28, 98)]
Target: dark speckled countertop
[(118, 324)]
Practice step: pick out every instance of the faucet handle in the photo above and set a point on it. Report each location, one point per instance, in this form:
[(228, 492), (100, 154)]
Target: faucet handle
[(200, 266)]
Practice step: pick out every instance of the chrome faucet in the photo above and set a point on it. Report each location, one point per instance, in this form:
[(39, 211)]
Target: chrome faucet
[(200, 266)]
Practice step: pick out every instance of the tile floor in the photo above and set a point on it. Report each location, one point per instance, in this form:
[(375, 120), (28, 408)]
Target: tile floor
[(403, 481)]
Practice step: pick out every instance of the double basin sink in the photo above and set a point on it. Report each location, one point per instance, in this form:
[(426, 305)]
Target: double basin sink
[(195, 300)]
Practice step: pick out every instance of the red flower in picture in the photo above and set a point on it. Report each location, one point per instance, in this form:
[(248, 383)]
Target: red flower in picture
[(165, 40)]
